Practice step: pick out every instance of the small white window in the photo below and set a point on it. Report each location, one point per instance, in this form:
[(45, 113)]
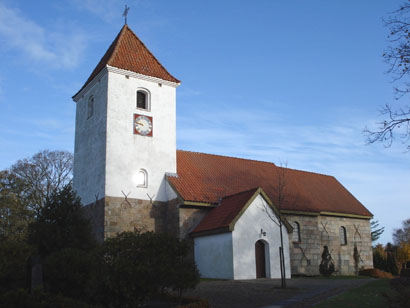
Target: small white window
[(296, 232), (90, 109), (142, 178), (143, 100), (343, 238)]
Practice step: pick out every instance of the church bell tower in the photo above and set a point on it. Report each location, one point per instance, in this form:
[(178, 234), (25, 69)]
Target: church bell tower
[(125, 138)]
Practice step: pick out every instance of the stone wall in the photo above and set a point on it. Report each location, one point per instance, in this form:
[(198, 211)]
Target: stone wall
[(305, 255), (319, 231), (189, 218), (113, 215)]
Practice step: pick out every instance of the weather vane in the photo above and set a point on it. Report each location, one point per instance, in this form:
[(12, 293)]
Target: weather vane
[(127, 8)]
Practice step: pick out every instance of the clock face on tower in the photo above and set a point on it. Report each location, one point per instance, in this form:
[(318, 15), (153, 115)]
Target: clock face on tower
[(142, 125)]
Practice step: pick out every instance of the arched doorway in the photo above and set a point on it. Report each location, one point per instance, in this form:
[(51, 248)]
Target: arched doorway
[(260, 259)]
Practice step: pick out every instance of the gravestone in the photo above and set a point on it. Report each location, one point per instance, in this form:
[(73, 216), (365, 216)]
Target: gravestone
[(34, 273)]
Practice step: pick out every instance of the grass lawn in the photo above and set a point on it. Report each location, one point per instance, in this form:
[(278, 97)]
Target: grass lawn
[(369, 295)]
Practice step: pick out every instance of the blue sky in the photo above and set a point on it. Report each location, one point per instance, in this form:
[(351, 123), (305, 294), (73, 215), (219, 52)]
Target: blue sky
[(280, 81)]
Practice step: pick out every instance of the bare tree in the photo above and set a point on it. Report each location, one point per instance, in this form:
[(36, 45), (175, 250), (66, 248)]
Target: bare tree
[(396, 119), (280, 196), (34, 179), (402, 235)]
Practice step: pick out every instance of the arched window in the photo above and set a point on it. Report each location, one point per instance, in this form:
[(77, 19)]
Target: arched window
[(143, 100), (90, 108), (142, 178), (342, 234), (296, 232)]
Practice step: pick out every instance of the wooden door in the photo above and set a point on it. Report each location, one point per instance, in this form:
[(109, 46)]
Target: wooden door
[(260, 259)]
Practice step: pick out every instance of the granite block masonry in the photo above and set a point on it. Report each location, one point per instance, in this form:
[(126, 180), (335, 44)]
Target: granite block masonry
[(319, 231)]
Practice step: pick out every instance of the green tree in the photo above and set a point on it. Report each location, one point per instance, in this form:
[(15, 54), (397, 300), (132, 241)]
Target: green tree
[(60, 224), (14, 215), (375, 231), (379, 257), (391, 261)]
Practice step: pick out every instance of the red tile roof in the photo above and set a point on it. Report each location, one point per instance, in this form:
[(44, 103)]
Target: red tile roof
[(222, 216), (207, 178), (129, 53)]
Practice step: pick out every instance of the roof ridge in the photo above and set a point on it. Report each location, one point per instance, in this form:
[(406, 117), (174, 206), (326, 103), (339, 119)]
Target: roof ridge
[(240, 158), (114, 52), (149, 51), (260, 161), (304, 171), (242, 192)]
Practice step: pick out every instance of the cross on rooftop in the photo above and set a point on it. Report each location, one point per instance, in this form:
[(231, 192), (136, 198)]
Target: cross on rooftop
[(126, 9)]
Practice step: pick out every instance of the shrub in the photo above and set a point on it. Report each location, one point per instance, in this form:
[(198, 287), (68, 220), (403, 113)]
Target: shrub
[(375, 273), (195, 303), (326, 267), (20, 298), (185, 276), (13, 264), (69, 272), (133, 266), (405, 272)]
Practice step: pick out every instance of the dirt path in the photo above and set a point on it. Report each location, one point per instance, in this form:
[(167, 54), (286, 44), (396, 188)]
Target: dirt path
[(267, 293)]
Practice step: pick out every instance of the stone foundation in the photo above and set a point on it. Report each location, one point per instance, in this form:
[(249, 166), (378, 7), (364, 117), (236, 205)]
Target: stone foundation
[(319, 231), (112, 215)]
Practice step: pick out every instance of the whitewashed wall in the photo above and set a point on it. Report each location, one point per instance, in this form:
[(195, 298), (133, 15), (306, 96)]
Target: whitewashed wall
[(231, 255), (213, 256), (247, 231), (108, 154), (89, 146), (127, 152)]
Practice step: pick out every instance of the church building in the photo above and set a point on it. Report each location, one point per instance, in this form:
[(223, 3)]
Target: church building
[(238, 213)]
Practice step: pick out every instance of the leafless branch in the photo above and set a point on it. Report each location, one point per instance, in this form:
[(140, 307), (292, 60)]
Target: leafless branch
[(396, 121), (397, 56)]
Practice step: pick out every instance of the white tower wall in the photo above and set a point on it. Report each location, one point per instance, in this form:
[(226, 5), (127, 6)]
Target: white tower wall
[(126, 152), (90, 136)]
